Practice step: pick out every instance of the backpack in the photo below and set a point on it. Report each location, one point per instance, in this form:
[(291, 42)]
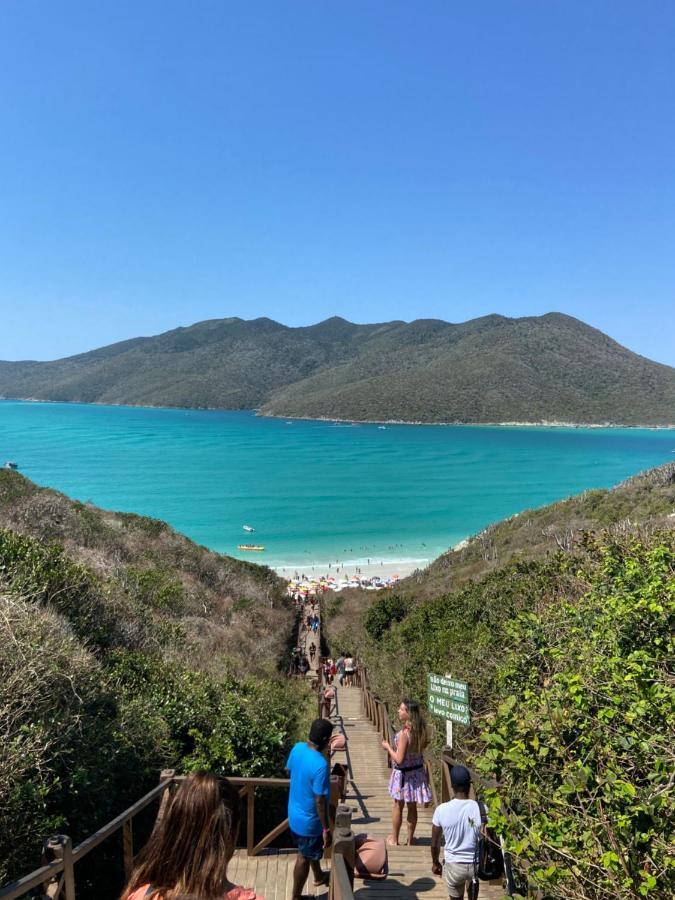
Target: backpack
[(371, 859), (488, 860)]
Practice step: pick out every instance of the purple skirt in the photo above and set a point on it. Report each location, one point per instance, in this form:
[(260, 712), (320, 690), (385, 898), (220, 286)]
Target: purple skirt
[(411, 786)]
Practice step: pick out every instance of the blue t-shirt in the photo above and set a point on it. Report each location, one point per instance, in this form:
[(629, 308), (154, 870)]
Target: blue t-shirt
[(310, 777)]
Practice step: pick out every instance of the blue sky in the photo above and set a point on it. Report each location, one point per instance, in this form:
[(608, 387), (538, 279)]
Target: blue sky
[(163, 162)]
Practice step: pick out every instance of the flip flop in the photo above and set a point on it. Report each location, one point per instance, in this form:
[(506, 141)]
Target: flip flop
[(323, 881), (391, 843)]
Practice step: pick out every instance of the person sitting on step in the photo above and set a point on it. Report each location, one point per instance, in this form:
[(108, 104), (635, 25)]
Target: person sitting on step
[(189, 851)]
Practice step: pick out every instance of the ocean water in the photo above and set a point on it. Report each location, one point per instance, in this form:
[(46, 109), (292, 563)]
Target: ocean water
[(314, 491)]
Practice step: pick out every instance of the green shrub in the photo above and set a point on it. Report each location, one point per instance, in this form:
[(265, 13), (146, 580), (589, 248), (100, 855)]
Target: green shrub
[(66, 763), (582, 740), (155, 588), (383, 613)]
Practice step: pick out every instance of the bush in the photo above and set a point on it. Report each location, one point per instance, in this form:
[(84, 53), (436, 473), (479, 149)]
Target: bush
[(65, 762), (582, 740), (383, 613)]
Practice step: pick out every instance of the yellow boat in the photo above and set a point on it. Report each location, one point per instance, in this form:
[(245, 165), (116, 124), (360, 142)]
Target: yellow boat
[(257, 547)]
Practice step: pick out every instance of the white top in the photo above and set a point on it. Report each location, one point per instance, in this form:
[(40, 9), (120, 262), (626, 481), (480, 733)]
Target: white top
[(349, 664), (460, 821)]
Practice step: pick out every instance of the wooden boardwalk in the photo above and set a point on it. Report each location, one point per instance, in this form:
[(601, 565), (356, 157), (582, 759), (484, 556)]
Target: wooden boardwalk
[(409, 867)]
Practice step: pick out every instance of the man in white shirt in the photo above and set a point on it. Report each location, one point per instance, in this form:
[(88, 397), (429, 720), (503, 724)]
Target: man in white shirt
[(459, 822)]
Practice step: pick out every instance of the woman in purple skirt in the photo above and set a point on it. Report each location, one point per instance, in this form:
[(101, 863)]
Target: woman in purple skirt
[(408, 783)]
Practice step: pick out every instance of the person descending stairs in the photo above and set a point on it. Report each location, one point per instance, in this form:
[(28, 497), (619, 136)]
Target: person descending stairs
[(410, 874)]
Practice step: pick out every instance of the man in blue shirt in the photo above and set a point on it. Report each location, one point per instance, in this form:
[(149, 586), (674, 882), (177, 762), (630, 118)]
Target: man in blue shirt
[(309, 804)]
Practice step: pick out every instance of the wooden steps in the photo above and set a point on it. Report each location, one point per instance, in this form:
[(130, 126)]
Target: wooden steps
[(409, 867)]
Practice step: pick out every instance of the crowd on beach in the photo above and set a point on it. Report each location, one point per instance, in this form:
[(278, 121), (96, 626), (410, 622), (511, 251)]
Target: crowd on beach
[(302, 586)]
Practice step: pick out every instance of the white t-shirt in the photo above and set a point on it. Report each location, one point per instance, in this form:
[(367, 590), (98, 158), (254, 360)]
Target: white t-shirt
[(460, 821)]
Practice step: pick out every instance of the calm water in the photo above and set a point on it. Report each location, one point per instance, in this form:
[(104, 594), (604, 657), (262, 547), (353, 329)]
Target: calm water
[(314, 491)]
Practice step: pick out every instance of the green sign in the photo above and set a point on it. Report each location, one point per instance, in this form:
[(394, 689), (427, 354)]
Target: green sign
[(449, 698)]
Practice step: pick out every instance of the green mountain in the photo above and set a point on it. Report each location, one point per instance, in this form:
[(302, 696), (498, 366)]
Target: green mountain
[(492, 369)]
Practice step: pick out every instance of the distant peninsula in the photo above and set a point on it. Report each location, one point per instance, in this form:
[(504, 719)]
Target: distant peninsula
[(494, 369)]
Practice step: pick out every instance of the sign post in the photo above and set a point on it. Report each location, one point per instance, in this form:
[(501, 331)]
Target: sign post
[(449, 698)]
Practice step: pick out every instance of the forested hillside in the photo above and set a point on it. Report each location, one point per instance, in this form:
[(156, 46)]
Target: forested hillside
[(124, 649), (492, 369), (561, 621)]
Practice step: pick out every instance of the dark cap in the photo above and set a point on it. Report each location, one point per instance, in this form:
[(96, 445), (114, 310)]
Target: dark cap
[(320, 732), (460, 778)]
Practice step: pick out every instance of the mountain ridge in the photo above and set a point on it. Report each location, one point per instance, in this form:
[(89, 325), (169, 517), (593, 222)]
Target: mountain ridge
[(492, 369)]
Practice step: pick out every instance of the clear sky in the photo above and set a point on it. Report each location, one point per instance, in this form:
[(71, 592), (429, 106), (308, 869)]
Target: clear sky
[(163, 162)]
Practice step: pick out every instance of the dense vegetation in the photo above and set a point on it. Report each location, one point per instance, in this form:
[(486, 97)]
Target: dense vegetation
[(567, 648), (491, 369), (125, 649), (582, 737)]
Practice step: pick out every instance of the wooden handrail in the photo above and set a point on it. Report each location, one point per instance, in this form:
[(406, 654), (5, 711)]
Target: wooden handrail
[(62, 868), (242, 781), (33, 880), (341, 885), (90, 843)]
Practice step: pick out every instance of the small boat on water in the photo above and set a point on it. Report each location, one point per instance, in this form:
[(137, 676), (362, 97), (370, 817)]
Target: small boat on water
[(248, 528), (11, 465), (257, 547)]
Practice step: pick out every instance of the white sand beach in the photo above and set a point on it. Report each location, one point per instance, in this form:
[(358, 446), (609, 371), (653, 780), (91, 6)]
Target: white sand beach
[(384, 568)]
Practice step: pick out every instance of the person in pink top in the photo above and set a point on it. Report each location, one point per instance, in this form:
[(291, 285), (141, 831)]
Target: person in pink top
[(191, 846)]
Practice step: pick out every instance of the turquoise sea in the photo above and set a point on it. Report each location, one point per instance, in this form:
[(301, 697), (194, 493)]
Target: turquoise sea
[(314, 491)]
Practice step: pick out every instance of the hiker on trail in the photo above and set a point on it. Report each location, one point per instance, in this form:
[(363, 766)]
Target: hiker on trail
[(349, 669), (408, 784), (312, 651), (340, 668), (309, 804), (303, 665), (459, 821), (189, 851)]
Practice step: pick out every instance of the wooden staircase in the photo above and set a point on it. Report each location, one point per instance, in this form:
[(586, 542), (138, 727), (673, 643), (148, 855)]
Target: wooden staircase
[(409, 867)]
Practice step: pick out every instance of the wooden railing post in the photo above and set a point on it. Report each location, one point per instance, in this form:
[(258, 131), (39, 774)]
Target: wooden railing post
[(68, 870), (343, 850), (164, 775), (250, 820), (128, 847), (446, 790), (59, 848), (386, 732), (49, 888)]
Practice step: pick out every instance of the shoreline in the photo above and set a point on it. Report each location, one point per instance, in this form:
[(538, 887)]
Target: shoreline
[(385, 568), (541, 424), (544, 423)]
